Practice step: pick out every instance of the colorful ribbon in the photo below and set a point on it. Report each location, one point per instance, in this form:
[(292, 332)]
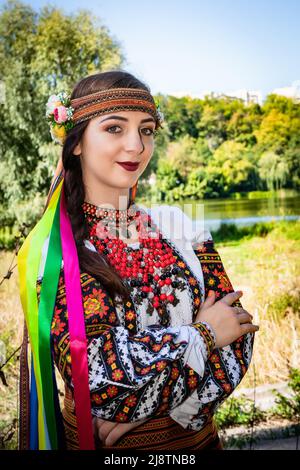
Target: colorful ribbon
[(28, 259), (45, 422)]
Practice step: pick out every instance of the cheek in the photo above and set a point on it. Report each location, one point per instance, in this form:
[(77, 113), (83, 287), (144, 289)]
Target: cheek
[(100, 153)]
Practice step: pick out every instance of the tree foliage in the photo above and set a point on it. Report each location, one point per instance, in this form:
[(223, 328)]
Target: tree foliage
[(208, 148), (40, 54)]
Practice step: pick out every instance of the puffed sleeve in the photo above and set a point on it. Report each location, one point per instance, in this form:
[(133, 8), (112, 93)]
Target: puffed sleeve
[(225, 366), (131, 376)]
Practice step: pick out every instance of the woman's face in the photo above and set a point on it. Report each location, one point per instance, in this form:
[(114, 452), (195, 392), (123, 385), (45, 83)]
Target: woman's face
[(116, 148)]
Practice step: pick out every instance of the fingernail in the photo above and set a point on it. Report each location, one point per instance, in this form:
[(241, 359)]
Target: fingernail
[(210, 293)]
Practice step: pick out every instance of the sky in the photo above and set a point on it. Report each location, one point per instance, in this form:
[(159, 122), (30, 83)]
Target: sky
[(196, 46)]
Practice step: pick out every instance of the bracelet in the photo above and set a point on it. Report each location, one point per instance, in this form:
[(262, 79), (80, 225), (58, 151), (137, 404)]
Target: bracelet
[(208, 335)]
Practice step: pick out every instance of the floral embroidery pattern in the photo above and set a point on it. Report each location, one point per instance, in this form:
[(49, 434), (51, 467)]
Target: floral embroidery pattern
[(100, 316), (94, 304)]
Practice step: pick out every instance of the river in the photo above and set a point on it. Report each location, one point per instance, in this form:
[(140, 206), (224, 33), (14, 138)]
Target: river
[(242, 211)]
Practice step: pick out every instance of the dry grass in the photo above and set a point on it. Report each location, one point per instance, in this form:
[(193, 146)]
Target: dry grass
[(268, 272), (11, 331)]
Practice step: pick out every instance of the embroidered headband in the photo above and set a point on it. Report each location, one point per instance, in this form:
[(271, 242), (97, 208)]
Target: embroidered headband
[(63, 113)]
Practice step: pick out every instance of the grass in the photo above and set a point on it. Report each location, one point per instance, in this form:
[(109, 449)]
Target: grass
[(266, 268), (280, 421), (238, 411)]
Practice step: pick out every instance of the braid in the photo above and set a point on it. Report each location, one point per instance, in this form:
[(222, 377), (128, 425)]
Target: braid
[(89, 261), (74, 200)]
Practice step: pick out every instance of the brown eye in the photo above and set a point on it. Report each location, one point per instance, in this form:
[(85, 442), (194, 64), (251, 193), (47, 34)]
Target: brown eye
[(148, 129), (112, 127), (111, 130)]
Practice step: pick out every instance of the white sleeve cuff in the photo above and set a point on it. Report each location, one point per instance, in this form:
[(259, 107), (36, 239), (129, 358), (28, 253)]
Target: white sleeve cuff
[(196, 354)]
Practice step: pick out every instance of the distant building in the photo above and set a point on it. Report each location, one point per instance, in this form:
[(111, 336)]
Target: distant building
[(243, 95), (292, 91), (248, 97), (181, 94)]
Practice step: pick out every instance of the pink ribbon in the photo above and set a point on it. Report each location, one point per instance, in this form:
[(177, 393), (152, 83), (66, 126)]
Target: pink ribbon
[(78, 341)]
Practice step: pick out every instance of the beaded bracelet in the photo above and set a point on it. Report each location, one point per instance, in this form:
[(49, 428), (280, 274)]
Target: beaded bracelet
[(208, 334)]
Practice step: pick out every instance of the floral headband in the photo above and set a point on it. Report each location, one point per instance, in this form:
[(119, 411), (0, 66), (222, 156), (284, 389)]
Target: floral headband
[(63, 113)]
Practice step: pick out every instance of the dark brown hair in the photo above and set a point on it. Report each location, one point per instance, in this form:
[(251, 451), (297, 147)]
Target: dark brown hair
[(90, 261)]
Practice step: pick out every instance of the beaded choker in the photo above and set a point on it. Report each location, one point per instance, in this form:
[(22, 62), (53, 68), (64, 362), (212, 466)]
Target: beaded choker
[(113, 223), (118, 215)]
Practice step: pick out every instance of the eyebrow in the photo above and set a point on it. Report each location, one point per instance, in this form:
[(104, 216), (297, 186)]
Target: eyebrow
[(121, 118)]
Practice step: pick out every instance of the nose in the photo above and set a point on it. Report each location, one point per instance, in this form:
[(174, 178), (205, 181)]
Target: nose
[(134, 142)]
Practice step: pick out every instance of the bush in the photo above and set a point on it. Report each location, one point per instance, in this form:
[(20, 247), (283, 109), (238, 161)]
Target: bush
[(289, 407), (238, 411)]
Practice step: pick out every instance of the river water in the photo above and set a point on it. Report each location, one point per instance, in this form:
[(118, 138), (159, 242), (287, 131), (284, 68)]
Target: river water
[(242, 211)]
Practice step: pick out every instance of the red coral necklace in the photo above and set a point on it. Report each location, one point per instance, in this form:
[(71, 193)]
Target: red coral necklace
[(149, 269)]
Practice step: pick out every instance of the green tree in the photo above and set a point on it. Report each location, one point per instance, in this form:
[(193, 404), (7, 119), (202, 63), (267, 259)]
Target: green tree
[(216, 114), (274, 132), (273, 169), (243, 123), (196, 184), (236, 163), (181, 115), (183, 156), (281, 104), (40, 54), (167, 180), (292, 159), (205, 183)]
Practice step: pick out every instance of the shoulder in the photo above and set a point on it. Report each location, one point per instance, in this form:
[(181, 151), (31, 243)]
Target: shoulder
[(172, 221)]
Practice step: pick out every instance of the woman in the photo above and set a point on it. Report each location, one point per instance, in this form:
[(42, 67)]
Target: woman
[(117, 295)]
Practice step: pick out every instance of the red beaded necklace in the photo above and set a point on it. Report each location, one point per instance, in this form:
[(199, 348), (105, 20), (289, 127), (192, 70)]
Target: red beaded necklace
[(149, 269)]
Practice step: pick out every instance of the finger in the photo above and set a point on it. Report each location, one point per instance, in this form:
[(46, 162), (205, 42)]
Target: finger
[(105, 429), (116, 433), (121, 429), (240, 310), (99, 422), (244, 317), (210, 299), (210, 295), (249, 328), (228, 299)]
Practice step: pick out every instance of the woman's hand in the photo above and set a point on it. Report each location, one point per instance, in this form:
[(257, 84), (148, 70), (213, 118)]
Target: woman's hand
[(228, 323), (109, 431)]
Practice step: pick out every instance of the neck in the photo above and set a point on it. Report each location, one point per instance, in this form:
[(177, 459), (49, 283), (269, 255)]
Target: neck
[(120, 202), (112, 198)]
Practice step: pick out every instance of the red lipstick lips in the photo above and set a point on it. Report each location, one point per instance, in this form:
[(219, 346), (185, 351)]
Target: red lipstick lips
[(129, 166)]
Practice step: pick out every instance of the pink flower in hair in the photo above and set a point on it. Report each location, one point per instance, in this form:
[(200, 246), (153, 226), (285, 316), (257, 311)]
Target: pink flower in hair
[(60, 114)]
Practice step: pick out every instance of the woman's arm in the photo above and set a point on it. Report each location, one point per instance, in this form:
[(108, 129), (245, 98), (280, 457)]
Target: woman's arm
[(131, 377), (226, 366)]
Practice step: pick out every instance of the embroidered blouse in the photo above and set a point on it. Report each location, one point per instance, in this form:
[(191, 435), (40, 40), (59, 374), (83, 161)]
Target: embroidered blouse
[(142, 363)]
